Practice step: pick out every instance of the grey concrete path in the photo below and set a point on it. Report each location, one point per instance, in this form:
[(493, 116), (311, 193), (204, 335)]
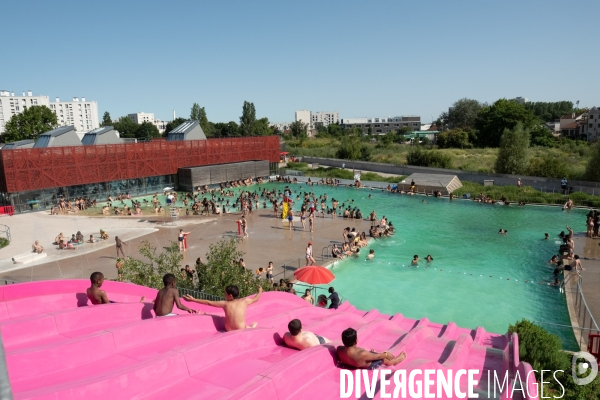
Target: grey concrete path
[(269, 240)]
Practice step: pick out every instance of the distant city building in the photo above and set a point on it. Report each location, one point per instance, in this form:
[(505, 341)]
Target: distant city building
[(590, 124), (570, 124), (83, 115), (382, 125), (324, 118), (304, 117), (281, 126), (11, 105), (521, 100), (161, 125), (142, 117)]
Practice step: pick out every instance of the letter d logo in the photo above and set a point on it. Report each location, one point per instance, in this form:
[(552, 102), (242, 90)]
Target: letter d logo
[(590, 361)]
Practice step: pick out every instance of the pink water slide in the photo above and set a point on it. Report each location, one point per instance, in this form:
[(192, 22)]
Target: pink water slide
[(58, 346)]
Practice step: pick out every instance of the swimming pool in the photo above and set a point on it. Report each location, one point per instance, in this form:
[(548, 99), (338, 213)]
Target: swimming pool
[(477, 277)]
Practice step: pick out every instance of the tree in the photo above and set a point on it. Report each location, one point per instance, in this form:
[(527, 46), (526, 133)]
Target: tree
[(353, 149), (230, 129), (147, 130), (386, 140), (542, 136), (106, 121), (173, 124), (592, 170), (262, 127), (462, 114), (298, 129), (454, 138), (127, 127), (547, 111), (248, 119), (155, 265), (504, 114), (222, 269), (428, 158), (199, 114), (513, 155), (335, 130), (550, 166), (29, 124)]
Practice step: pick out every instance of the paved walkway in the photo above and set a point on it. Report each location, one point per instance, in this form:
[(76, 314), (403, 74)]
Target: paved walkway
[(269, 241), (589, 251)]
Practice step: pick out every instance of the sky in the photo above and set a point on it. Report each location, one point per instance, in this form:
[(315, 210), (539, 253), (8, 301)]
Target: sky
[(361, 58)]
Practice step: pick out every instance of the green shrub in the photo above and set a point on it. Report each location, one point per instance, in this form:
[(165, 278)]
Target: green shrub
[(543, 351), (222, 269), (592, 171), (4, 242), (149, 272), (550, 166), (513, 155), (300, 166), (455, 138), (428, 158)]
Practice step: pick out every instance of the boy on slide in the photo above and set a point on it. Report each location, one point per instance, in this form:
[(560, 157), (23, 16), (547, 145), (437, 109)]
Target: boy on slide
[(235, 309), (167, 297), (97, 295)]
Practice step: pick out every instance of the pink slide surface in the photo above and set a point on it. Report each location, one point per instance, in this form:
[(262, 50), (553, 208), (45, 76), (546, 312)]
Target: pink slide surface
[(60, 347)]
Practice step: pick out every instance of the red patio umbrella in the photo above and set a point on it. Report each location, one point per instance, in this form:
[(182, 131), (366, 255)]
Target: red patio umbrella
[(314, 275), (284, 152)]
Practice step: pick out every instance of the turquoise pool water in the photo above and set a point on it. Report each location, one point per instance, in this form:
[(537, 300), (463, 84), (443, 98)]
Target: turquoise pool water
[(477, 278)]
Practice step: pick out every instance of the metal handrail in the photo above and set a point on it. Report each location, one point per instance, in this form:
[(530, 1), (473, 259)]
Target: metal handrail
[(198, 294)]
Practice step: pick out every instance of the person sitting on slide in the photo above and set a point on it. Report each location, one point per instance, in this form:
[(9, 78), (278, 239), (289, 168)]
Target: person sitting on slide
[(354, 356), (296, 338)]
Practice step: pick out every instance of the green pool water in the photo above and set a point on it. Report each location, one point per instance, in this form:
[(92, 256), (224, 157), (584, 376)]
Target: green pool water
[(477, 278)]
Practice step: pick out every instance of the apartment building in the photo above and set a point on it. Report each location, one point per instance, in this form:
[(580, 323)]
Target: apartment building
[(81, 114), (382, 125), (324, 118), (11, 105), (142, 117)]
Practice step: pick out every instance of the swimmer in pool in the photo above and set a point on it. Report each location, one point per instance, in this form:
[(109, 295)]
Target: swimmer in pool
[(371, 254), (429, 258), (415, 260)]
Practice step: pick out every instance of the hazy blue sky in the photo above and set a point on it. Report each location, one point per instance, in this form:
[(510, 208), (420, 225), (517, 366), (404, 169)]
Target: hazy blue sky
[(361, 58)]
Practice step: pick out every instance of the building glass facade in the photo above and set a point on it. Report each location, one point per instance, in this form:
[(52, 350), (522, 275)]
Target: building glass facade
[(44, 199)]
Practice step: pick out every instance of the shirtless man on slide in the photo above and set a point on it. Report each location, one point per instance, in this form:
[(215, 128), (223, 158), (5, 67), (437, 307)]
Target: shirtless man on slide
[(167, 297), (296, 338), (354, 356), (97, 295), (235, 309)]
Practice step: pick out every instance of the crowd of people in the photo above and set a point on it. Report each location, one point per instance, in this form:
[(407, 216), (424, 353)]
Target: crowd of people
[(566, 259)]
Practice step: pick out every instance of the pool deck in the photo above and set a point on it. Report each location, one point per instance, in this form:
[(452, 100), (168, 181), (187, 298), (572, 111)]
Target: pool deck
[(588, 250), (269, 241)]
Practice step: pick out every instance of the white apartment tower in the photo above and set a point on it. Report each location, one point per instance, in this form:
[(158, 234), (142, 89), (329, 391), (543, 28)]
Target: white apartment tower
[(83, 115), (324, 118), (11, 104), (304, 117)]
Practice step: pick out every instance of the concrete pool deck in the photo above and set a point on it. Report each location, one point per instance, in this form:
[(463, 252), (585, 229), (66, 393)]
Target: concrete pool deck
[(588, 250), (269, 241)]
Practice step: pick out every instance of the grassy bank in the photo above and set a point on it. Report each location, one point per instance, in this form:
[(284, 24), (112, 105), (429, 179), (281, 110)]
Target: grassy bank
[(527, 195), (481, 160), (338, 173)]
